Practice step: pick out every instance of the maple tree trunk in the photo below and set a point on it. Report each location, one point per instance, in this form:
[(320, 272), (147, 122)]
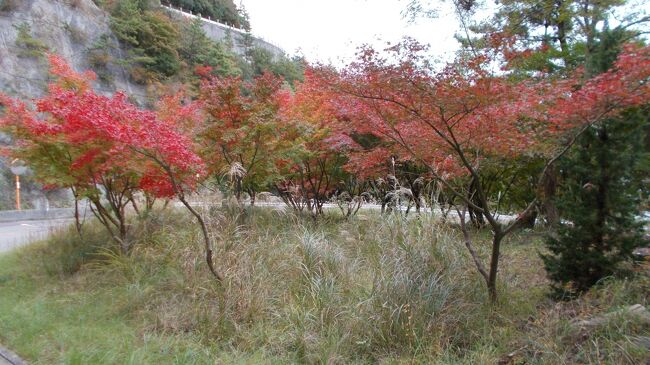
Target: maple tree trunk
[(549, 188), (206, 238), (358, 206), (178, 190), (489, 275), (149, 202), (135, 205), (77, 221), (252, 194), (494, 266), (475, 215), (123, 232), (529, 222), (238, 190), (108, 220)]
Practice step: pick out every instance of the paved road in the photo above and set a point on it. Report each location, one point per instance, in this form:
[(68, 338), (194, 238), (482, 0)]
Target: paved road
[(9, 358), (15, 234)]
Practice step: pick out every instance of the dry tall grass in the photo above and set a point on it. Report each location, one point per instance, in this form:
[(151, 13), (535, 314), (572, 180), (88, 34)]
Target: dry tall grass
[(371, 290)]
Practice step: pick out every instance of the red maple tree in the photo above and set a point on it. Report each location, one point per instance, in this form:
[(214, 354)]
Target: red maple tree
[(243, 131), (313, 169), (105, 148), (452, 120)]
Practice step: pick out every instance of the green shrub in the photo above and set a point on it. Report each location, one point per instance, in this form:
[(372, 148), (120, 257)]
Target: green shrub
[(600, 202), (8, 5), (224, 11), (67, 252), (152, 39), (77, 35), (28, 45), (196, 49), (99, 58)]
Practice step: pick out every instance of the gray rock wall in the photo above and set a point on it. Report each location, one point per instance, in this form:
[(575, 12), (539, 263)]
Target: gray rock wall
[(67, 28)]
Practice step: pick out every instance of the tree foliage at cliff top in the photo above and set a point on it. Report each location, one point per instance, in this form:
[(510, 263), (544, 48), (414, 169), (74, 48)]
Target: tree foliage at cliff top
[(223, 11), (162, 48)]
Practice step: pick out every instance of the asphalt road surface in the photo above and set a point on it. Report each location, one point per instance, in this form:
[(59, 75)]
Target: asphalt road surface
[(9, 358), (19, 233)]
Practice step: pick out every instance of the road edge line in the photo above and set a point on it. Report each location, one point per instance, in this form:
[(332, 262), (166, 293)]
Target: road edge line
[(11, 356)]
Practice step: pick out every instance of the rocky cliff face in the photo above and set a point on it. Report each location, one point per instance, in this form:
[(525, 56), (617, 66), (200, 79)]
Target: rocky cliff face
[(29, 29), (70, 28)]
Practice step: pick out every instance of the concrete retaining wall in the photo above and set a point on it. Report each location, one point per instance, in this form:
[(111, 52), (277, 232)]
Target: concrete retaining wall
[(219, 32)]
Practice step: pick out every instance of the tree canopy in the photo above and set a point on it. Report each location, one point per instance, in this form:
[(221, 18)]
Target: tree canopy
[(223, 11)]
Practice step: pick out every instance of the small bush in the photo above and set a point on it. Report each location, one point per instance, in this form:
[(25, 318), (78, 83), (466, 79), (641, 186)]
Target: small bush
[(67, 251), (29, 46), (142, 75), (151, 37), (76, 34), (75, 3), (8, 5), (99, 58)]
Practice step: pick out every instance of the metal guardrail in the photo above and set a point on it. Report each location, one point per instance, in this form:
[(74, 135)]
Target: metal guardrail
[(189, 14), (35, 214)]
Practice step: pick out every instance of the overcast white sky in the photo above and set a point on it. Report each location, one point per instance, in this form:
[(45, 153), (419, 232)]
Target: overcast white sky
[(331, 30)]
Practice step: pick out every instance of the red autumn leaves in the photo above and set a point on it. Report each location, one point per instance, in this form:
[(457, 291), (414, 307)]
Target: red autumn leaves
[(448, 120), (80, 138), (306, 142)]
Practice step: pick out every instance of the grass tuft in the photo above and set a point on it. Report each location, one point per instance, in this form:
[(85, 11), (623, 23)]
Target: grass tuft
[(370, 290)]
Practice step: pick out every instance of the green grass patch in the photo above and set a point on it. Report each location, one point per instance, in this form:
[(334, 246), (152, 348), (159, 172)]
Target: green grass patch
[(370, 290)]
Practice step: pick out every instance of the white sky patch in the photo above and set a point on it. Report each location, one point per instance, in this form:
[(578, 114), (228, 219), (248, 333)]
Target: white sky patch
[(330, 31)]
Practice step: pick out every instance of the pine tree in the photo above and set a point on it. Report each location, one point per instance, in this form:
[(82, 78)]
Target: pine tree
[(196, 49), (601, 194), (599, 203)]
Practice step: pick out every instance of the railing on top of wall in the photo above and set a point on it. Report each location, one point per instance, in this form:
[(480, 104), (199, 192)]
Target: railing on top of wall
[(189, 14)]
